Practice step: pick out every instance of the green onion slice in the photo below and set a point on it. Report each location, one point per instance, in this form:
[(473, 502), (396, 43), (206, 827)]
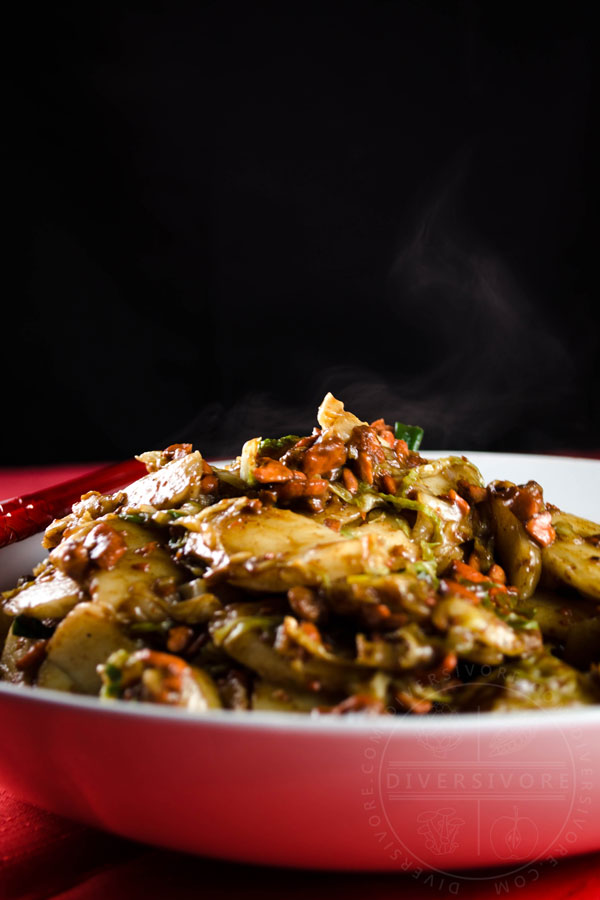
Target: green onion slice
[(412, 434)]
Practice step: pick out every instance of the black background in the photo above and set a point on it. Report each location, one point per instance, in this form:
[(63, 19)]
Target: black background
[(220, 211)]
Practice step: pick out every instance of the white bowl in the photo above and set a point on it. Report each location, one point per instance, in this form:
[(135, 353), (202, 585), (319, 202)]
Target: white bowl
[(442, 794)]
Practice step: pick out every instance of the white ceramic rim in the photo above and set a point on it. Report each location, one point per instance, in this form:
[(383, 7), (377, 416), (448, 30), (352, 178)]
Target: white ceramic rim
[(303, 722)]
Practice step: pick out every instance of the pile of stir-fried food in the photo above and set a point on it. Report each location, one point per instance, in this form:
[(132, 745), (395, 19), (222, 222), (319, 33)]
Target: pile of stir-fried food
[(338, 572)]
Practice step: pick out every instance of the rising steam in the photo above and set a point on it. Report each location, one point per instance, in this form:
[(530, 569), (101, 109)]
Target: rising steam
[(463, 352)]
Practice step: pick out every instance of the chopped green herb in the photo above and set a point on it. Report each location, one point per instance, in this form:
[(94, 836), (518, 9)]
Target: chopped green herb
[(132, 517), (529, 625), (277, 444), (113, 673), (412, 434)]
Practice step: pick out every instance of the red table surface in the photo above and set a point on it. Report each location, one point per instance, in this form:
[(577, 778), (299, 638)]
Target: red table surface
[(45, 856)]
